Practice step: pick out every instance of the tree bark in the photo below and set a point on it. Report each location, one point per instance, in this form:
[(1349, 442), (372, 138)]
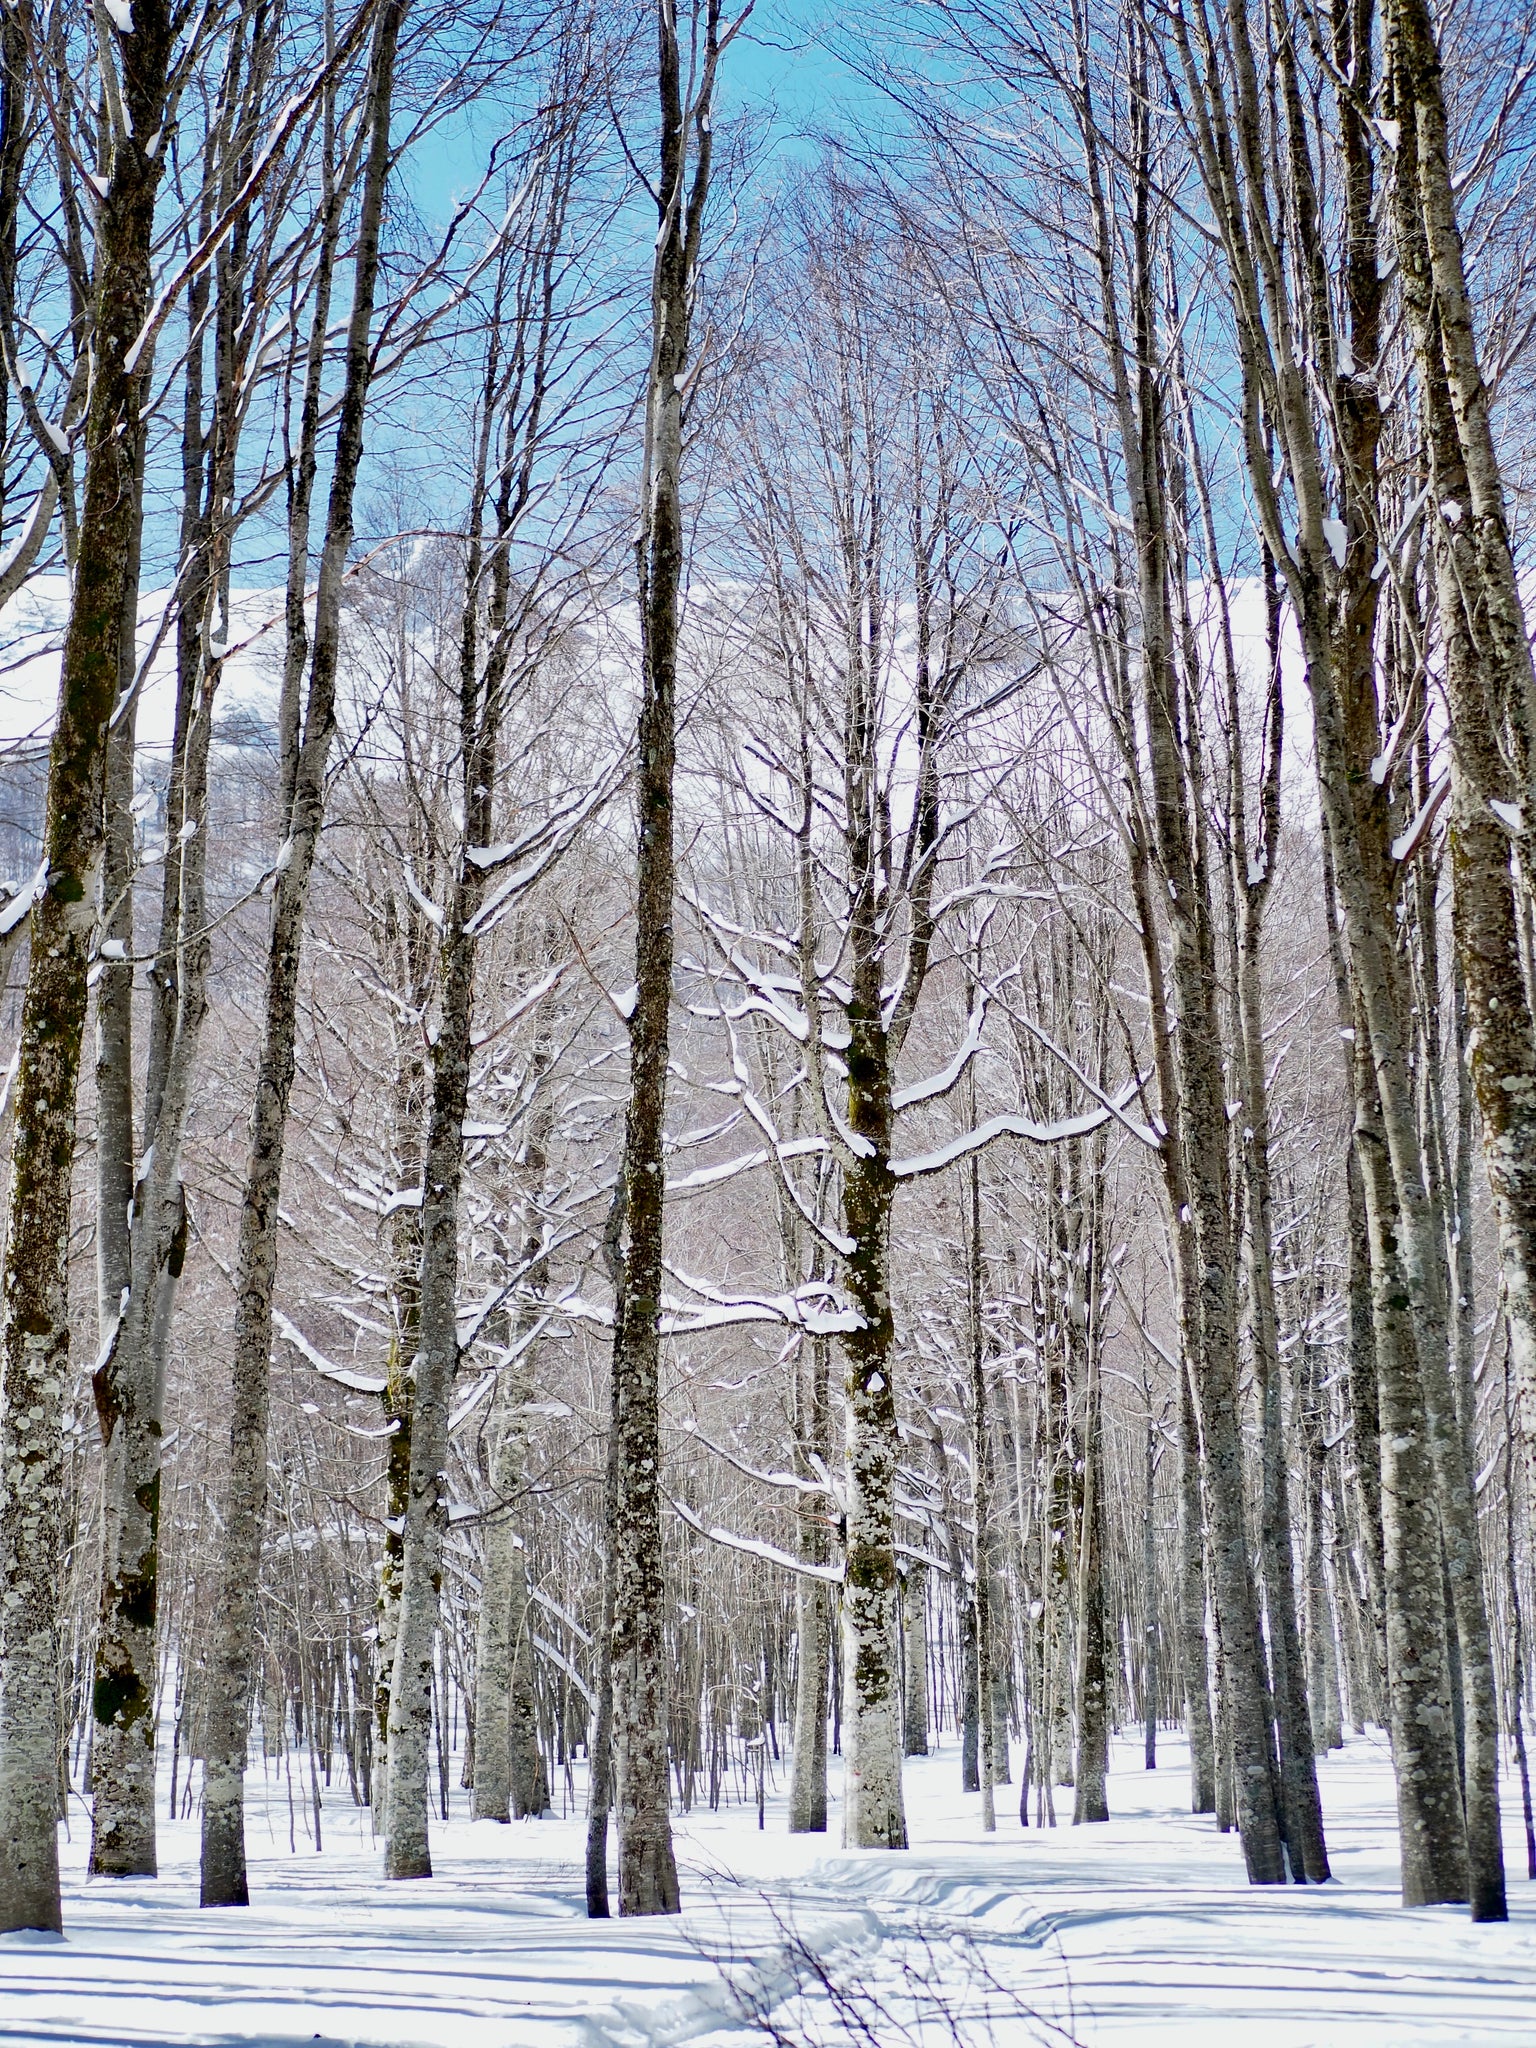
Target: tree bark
[(600, 1744), (1336, 608), (508, 1779), (36, 1323), (1200, 1133), (914, 1611), (874, 1816), (231, 1652), (1090, 1798), (981, 1508), (1491, 687), (1151, 1634), (647, 1866), (142, 1216), (808, 1765), (1301, 1806), (123, 1734), (1194, 1644), (437, 1356)]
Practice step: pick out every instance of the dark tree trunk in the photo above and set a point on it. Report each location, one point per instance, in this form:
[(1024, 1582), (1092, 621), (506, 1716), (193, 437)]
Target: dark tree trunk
[(813, 1620), (231, 1654), (1090, 1798), (647, 1867), (36, 1273)]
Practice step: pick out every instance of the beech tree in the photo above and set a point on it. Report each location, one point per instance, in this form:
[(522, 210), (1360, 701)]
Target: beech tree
[(305, 759), (841, 1153), (686, 85)]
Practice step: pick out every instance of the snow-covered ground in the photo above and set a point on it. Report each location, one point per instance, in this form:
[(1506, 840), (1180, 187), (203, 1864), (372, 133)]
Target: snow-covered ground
[(1142, 1931)]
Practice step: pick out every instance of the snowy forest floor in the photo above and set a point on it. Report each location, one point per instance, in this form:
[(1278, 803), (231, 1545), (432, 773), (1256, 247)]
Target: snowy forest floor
[(1142, 1931)]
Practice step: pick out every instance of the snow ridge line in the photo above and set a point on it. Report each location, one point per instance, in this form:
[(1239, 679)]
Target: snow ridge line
[(813, 1912), (743, 1982)]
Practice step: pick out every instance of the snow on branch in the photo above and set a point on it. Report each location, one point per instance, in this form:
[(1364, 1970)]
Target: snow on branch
[(723, 1311), (563, 1663), (1016, 1127), (789, 1480), (538, 849), (472, 1319), (1116, 1106), (1407, 844), (24, 551), (829, 1574), (801, 1310), (552, 1606), (16, 907), (357, 1382), (472, 1400), (431, 911), (528, 1000), (744, 1162), (941, 1082)]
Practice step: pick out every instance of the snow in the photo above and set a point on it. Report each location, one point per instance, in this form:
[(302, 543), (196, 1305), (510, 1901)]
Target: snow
[(20, 905), (1018, 1127), (344, 1376), (1407, 843), (1139, 1932), (32, 636)]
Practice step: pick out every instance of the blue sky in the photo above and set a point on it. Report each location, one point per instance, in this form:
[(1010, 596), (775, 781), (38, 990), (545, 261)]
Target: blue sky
[(783, 63)]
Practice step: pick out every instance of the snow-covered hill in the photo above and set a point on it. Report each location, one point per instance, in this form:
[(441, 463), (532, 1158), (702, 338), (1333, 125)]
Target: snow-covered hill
[(31, 641)]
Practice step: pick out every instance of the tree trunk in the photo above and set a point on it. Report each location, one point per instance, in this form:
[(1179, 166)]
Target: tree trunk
[(130, 1386), (1090, 1801), (600, 1743), (1429, 1798), (232, 1636), (1151, 1634), (437, 1349), (142, 1216), (1200, 1129), (123, 1732), (914, 1612), (874, 1816), (414, 936), (36, 1292), (981, 1508), (507, 1778), (647, 1867), (808, 1765), (1251, 874), (500, 1635), (484, 659), (1194, 1644), (1335, 602), (1491, 689), (970, 1696)]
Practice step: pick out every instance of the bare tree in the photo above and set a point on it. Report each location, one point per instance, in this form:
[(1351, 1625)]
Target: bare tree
[(231, 1650), (686, 88), (141, 70)]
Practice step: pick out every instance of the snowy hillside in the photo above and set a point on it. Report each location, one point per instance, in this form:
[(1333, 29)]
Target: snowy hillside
[(31, 642)]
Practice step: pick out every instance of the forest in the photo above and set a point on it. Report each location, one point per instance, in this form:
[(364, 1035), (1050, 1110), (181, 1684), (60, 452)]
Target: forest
[(768, 911)]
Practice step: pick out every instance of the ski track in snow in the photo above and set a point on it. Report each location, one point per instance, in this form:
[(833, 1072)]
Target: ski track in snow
[(1142, 1931)]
